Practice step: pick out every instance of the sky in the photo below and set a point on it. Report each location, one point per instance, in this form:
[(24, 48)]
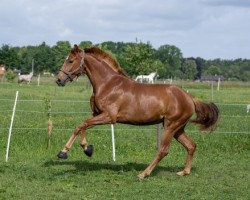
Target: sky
[(200, 28)]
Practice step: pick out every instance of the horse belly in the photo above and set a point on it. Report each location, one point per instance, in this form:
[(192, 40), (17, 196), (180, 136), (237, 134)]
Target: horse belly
[(141, 112)]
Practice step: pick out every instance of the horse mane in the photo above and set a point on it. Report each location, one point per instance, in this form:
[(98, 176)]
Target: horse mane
[(106, 57)]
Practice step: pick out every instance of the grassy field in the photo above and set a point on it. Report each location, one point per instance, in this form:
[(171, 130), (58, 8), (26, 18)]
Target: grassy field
[(220, 168)]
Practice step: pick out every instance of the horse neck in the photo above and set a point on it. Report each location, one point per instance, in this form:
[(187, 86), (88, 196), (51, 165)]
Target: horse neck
[(99, 73), (153, 74)]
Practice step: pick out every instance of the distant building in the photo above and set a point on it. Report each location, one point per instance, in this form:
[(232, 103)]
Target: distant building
[(211, 78)]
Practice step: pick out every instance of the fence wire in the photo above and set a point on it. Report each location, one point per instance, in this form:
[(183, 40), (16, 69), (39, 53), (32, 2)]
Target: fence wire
[(33, 117)]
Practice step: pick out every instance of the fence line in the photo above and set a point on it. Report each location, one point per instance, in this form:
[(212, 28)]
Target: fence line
[(122, 129), (87, 101), (55, 100), (87, 112), (157, 129)]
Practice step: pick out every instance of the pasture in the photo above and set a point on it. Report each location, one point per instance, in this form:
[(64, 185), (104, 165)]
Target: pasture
[(220, 167)]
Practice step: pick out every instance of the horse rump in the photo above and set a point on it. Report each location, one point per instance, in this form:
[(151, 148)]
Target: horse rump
[(207, 115)]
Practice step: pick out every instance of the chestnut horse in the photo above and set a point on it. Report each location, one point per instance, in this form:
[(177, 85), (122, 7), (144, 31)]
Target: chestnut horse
[(117, 98)]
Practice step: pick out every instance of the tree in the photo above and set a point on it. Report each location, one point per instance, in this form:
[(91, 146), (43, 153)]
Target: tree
[(200, 65), (60, 51), (10, 75), (9, 57), (137, 58), (213, 70), (188, 69), (26, 54), (160, 68), (85, 44), (171, 57), (43, 59)]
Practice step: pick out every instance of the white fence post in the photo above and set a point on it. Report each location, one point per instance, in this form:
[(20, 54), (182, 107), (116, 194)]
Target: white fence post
[(10, 129), (212, 90), (218, 86), (113, 140), (38, 80)]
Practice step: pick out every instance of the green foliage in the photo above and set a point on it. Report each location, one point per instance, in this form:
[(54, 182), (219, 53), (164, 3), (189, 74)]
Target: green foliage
[(188, 69), (47, 103), (85, 44), (237, 69), (136, 58), (200, 63), (213, 70), (9, 57), (60, 52), (10, 75), (43, 58), (171, 57)]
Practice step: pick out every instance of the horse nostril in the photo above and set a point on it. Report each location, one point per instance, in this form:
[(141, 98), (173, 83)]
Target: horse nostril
[(58, 81)]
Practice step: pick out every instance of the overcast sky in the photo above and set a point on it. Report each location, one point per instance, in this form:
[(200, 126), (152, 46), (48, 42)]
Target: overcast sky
[(200, 28)]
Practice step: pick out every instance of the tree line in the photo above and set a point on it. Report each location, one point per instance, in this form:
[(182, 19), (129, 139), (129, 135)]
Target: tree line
[(136, 58)]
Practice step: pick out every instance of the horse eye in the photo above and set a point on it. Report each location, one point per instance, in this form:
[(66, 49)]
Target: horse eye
[(71, 61)]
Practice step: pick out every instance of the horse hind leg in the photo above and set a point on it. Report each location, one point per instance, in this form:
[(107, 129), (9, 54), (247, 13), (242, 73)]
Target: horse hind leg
[(190, 146), (169, 132), (160, 155)]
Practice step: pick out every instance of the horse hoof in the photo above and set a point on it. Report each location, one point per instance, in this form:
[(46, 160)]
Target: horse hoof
[(89, 150), (183, 173), (141, 177), (62, 155)]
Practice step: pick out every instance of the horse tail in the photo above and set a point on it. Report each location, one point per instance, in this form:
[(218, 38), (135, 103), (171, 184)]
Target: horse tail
[(207, 115)]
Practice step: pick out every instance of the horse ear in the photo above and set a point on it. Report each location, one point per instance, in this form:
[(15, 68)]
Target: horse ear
[(76, 47)]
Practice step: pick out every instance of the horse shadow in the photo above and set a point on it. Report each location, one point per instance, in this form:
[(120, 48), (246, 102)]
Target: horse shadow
[(86, 166)]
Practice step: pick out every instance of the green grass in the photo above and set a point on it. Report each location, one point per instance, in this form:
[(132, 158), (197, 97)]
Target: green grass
[(220, 167)]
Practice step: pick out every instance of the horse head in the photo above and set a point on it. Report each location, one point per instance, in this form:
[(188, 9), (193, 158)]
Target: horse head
[(72, 66)]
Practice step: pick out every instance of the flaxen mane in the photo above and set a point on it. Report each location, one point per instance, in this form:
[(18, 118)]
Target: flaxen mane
[(108, 58)]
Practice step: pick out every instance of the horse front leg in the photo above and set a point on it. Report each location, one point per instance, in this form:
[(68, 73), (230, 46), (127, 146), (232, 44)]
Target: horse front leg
[(93, 107), (92, 103), (63, 153), (88, 149), (103, 118)]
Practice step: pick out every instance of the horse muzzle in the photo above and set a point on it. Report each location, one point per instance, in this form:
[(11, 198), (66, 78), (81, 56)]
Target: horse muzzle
[(60, 82)]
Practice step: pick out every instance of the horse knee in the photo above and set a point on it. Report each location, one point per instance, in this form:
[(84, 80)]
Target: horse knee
[(81, 127), (78, 130)]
